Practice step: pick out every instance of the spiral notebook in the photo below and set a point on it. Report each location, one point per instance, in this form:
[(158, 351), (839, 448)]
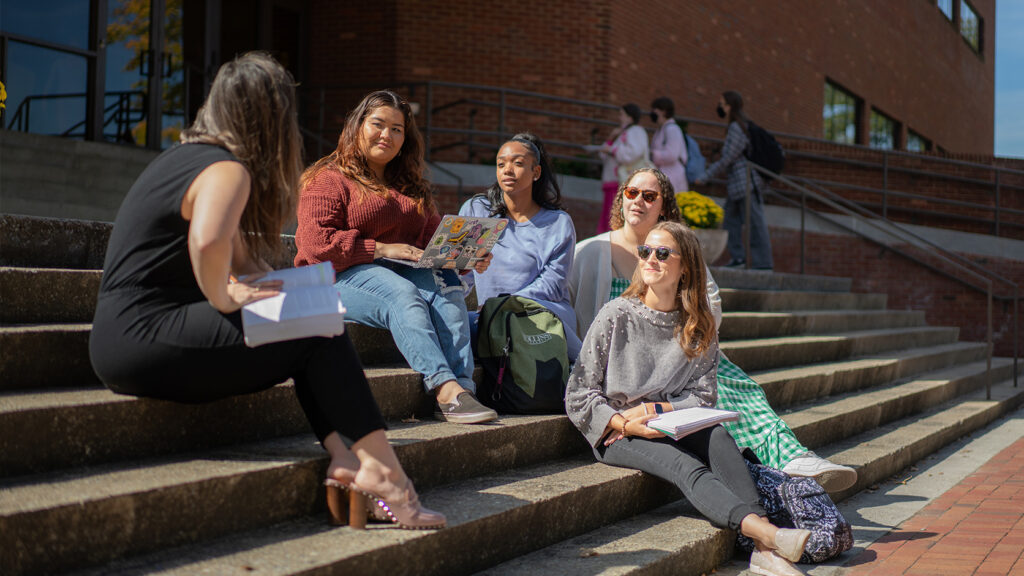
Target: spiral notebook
[(679, 423)]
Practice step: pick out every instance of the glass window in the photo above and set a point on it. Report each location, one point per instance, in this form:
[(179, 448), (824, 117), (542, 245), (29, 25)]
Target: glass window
[(916, 142), (883, 131), (947, 8), (839, 115), (58, 21), (45, 91), (970, 25)]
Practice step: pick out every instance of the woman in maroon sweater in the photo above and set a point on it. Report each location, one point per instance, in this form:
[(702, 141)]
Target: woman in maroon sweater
[(368, 200)]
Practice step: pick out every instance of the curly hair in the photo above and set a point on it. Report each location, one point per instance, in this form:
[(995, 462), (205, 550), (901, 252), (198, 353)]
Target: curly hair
[(695, 328), (403, 173), (251, 111), (669, 208)]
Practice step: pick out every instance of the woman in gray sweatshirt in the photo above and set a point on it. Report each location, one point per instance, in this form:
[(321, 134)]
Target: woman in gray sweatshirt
[(654, 350)]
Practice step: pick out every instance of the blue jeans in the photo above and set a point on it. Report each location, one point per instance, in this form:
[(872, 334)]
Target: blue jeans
[(424, 309)]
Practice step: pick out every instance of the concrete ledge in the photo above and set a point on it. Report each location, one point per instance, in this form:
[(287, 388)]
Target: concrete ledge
[(36, 242), (742, 325), (34, 295)]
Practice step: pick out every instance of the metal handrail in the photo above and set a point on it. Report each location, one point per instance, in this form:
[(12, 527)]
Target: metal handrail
[(886, 226)]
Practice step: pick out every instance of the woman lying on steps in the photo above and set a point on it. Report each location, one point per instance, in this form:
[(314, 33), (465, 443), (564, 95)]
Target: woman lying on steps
[(167, 323), (656, 350), (367, 201), (600, 273)]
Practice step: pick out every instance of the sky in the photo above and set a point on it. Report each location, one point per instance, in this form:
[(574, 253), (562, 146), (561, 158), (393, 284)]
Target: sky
[(1010, 78)]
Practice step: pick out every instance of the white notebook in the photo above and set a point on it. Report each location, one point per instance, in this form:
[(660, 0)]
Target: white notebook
[(308, 305), (679, 423)]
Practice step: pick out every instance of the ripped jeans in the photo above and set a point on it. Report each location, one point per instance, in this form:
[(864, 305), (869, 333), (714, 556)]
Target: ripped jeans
[(425, 311)]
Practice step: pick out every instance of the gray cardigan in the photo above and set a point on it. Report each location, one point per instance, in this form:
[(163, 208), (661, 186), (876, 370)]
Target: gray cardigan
[(629, 356)]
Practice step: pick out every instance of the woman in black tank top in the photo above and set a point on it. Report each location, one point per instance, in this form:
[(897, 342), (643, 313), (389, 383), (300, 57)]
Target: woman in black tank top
[(167, 322)]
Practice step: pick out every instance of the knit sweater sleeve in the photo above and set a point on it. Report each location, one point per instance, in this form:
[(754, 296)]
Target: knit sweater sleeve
[(585, 401), (323, 233)]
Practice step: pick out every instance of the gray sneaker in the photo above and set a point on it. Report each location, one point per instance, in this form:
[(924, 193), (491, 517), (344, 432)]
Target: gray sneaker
[(465, 410)]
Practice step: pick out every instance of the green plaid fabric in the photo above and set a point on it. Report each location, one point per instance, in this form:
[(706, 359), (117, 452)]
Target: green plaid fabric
[(759, 427)]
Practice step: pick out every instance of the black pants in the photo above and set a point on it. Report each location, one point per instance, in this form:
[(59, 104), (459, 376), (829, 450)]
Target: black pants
[(706, 466), (194, 354)]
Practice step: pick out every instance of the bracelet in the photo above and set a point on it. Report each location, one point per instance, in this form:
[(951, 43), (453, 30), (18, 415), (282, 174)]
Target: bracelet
[(624, 424)]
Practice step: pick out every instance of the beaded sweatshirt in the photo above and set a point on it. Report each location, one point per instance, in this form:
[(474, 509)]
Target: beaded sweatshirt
[(629, 356), (338, 223)]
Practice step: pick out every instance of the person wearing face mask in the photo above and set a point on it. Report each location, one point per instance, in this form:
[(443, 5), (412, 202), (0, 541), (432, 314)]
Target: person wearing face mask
[(668, 147), (535, 253), (366, 201), (734, 163)]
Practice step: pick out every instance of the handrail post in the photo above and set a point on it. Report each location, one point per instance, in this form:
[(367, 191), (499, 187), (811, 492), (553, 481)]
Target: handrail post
[(997, 201), (885, 184), (803, 229), (427, 121), (988, 362), (746, 222)]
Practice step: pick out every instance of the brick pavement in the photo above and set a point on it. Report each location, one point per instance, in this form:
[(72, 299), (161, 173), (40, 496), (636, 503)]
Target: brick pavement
[(976, 528)]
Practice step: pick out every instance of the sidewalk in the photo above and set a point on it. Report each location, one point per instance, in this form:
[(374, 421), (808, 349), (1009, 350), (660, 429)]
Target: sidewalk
[(975, 528)]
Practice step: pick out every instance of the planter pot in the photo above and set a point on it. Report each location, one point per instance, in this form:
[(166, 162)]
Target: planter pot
[(712, 243)]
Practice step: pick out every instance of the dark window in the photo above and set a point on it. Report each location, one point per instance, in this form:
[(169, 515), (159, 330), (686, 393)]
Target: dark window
[(63, 22), (946, 6), (46, 91), (883, 131), (917, 143), (839, 115), (970, 25)]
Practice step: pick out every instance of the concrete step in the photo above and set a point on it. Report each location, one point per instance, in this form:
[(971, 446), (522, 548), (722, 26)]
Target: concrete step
[(763, 280), (790, 386), (776, 301), (38, 295), (674, 540), (61, 428), (767, 353), (490, 519), (745, 325), (35, 356), (42, 356), (93, 515), (847, 415), (33, 241)]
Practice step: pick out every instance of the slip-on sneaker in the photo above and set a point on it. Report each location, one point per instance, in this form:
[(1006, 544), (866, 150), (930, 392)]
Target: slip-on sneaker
[(465, 410)]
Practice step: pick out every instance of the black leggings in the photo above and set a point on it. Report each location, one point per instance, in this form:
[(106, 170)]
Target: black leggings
[(706, 466), (195, 354)]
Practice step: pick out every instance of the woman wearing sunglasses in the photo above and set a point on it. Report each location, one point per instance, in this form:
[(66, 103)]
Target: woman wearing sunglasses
[(601, 272), (656, 350)]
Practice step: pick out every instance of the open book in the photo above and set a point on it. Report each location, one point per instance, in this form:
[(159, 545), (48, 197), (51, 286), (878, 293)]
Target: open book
[(459, 242), (679, 423), (308, 305)]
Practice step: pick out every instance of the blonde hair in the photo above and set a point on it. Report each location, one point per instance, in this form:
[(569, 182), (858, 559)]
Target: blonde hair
[(251, 111), (696, 326)]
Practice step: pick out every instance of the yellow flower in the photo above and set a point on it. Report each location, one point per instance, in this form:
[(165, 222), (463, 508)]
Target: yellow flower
[(3, 96), (699, 211)]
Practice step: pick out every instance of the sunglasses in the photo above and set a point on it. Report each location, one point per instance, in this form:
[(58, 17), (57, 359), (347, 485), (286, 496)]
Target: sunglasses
[(661, 252), (649, 195)]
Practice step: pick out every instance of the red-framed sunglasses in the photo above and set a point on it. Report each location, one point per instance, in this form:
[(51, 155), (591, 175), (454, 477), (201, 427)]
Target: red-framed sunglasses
[(632, 192)]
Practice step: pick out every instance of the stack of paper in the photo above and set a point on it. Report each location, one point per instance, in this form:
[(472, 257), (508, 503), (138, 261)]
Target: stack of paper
[(308, 305), (679, 423)]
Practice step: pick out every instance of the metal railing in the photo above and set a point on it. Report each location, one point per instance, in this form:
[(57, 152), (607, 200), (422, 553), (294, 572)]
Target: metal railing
[(965, 268)]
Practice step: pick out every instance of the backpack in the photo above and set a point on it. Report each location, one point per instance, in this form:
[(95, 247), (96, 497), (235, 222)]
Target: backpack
[(764, 150), (793, 502), (522, 349), (695, 163)]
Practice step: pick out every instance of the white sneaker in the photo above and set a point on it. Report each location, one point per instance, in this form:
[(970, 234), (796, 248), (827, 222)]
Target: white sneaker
[(832, 477)]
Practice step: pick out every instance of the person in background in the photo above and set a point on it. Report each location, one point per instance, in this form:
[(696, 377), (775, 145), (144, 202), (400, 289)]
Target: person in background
[(601, 272), (366, 201), (625, 151), (655, 350), (733, 163), (668, 147), (168, 322), (535, 253)]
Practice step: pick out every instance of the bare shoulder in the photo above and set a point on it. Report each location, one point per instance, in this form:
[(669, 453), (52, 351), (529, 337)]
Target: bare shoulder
[(227, 178)]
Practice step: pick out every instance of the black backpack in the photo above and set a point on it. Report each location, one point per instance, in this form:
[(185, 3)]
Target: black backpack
[(522, 349), (764, 149)]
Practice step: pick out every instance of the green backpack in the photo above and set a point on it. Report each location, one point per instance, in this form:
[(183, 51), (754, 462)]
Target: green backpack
[(522, 349)]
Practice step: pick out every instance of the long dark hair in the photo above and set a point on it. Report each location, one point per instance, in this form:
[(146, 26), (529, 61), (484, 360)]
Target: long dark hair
[(251, 111), (695, 328), (545, 191), (736, 114), (403, 173)]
